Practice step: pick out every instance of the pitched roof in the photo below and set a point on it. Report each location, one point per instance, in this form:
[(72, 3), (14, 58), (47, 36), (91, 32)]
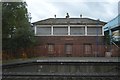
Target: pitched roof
[(63, 21)]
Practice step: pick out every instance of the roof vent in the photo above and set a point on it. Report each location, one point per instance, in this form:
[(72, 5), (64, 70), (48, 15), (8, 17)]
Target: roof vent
[(55, 16), (80, 15), (98, 19), (67, 16)]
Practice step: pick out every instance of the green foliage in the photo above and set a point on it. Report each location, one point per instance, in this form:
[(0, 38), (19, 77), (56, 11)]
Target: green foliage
[(14, 15), (107, 38), (16, 28), (24, 37)]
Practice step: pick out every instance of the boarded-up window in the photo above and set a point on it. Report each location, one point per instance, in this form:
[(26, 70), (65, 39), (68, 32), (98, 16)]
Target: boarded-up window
[(87, 48), (77, 30), (43, 30), (60, 30), (94, 30), (68, 49), (50, 48)]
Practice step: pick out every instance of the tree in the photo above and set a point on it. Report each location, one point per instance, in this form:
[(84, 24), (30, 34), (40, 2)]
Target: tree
[(16, 28)]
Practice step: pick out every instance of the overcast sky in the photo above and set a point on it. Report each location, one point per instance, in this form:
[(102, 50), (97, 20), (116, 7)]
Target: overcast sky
[(104, 10)]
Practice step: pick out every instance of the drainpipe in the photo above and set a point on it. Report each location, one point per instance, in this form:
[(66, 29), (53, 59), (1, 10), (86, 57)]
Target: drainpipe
[(110, 35), (97, 41)]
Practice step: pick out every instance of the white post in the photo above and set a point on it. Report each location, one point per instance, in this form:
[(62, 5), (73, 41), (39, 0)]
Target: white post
[(102, 31), (86, 30), (35, 30), (68, 29), (52, 30)]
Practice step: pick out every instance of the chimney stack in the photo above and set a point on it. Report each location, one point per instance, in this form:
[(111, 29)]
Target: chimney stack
[(67, 16), (98, 19), (55, 16), (80, 15)]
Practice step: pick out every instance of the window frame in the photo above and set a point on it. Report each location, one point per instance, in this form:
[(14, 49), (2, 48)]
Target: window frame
[(69, 52), (96, 32), (66, 33), (51, 48), (69, 30), (81, 27), (42, 27), (89, 48)]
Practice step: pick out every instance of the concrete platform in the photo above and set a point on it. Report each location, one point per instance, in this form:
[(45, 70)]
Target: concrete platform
[(63, 59)]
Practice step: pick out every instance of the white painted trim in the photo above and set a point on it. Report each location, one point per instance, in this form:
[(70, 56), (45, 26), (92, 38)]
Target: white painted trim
[(77, 25), (95, 25), (87, 25), (60, 25), (68, 29), (43, 25), (52, 30), (67, 25), (35, 30), (86, 30), (103, 31), (68, 35)]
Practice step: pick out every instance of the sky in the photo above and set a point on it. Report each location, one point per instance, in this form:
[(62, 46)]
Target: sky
[(104, 10)]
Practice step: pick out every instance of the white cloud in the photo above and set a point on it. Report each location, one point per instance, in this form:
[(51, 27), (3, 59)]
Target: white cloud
[(102, 9), (41, 9)]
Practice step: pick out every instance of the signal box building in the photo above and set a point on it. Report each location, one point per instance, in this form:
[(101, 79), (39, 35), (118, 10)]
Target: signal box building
[(75, 37)]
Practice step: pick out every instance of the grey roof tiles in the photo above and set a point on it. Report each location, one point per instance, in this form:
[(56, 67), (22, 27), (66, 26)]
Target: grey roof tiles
[(65, 21)]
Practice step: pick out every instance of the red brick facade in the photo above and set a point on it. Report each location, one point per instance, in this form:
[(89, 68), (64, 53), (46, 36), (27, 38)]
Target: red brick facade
[(78, 43)]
